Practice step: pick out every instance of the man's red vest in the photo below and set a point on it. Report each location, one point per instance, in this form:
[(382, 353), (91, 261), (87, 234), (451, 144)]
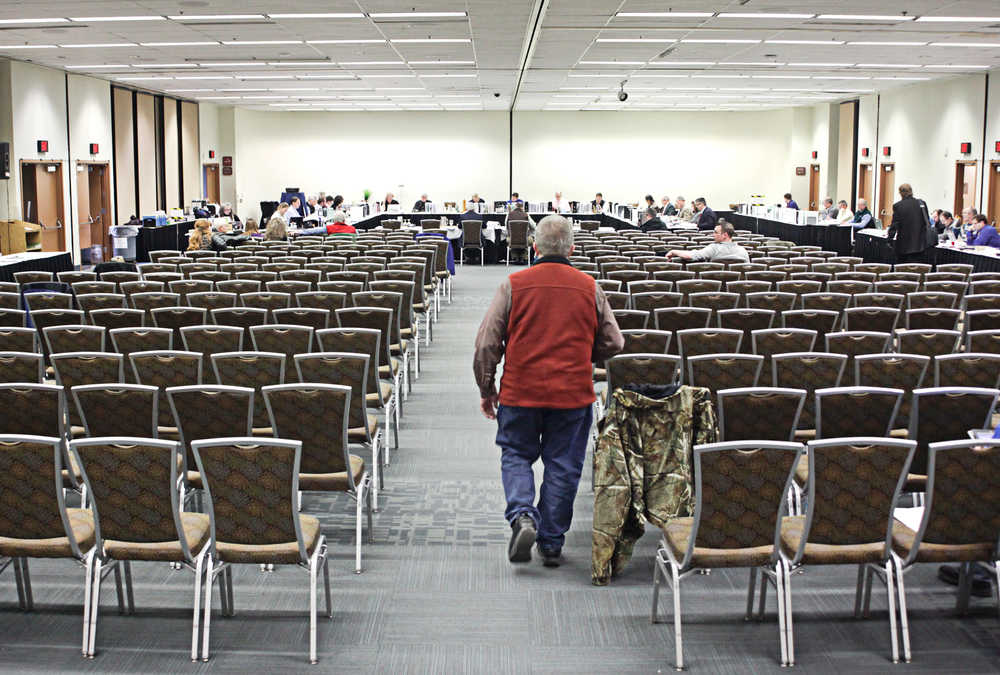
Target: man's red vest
[(550, 338)]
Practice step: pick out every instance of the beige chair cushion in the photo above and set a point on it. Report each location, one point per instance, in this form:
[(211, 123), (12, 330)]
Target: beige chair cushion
[(397, 348), (282, 554), (677, 534), (70, 482), (81, 523), (197, 531), (333, 481), (388, 372), (803, 435), (903, 539), (443, 274), (373, 400), (359, 435), (827, 554), (194, 480), (168, 433), (600, 375), (899, 433), (263, 431), (802, 470)]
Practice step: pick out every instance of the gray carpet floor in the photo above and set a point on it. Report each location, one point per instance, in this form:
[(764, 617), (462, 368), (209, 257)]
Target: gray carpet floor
[(438, 595)]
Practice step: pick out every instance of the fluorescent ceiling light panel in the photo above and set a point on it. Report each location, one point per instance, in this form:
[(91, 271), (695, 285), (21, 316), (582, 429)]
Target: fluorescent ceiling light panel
[(612, 63), (344, 42), (922, 79), (294, 89), (400, 89), (218, 98), (763, 15), (265, 77), (637, 40), (965, 44), (804, 42), (233, 64), (720, 77), (142, 79), (751, 63), (721, 41), (684, 63), (448, 75), (840, 77), (441, 63), (780, 77), (164, 65), (215, 17), (104, 45), (822, 65), (318, 63), (959, 19), (329, 15), (959, 66), (612, 75), (370, 63), (866, 17), (431, 40), (672, 76), (182, 91), (55, 19), (667, 15), (415, 15), (866, 43), (236, 43), (262, 97), (101, 19), (204, 77), (179, 44), (888, 65), (325, 76), (95, 67), (243, 89)]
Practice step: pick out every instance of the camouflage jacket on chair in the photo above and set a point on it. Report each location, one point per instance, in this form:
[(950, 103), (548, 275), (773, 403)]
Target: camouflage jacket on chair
[(643, 468)]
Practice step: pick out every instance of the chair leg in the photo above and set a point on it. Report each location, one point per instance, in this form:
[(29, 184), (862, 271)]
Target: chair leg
[(996, 570), (118, 588), (790, 639), (210, 575), (752, 586), (129, 596), (779, 589), (20, 584), (29, 601), (678, 643), (904, 624), (763, 597), (376, 472), (368, 509), (868, 592), (656, 588), (88, 563), (891, 592), (95, 603), (199, 573), (859, 591), (357, 524), (326, 585), (312, 607), (964, 588)]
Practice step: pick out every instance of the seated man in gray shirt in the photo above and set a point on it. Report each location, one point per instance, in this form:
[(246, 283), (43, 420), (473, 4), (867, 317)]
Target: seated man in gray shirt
[(724, 247)]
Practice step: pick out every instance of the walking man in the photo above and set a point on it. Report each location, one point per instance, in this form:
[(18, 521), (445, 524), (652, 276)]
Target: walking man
[(548, 323)]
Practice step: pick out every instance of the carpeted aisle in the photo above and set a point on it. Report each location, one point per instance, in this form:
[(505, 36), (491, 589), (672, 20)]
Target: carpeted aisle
[(438, 596)]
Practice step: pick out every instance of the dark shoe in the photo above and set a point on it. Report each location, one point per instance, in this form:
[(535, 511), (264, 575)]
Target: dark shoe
[(981, 586), (550, 558), (948, 574), (522, 539)]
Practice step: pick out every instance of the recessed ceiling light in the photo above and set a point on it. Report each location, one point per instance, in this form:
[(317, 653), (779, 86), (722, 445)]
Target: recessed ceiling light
[(887, 65), (103, 45), (265, 77), (821, 65), (370, 63), (959, 19), (720, 41), (178, 44), (344, 42), (55, 19), (637, 40), (441, 63), (331, 15), (100, 19), (667, 15), (866, 17), (886, 44), (204, 77), (763, 15), (164, 65), (840, 77), (612, 63), (236, 43), (429, 40), (96, 67), (965, 44), (415, 15), (804, 42), (751, 63), (959, 66), (447, 75), (215, 17)]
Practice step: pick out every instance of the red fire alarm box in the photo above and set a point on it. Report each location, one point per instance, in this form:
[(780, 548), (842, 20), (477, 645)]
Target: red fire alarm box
[(998, 146), (43, 146), (211, 154), (864, 152), (966, 148), (886, 151), (94, 148), (814, 154)]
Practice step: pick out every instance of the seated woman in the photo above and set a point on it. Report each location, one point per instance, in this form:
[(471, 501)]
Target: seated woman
[(252, 230), (981, 233), (226, 211), (277, 226), (337, 225), (224, 237), (200, 237)]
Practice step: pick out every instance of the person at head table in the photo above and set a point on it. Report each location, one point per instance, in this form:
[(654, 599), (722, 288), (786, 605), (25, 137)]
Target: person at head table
[(683, 211), (476, 199), (389, 200), (705, 217), (651, 221), (789, 202), (981, 233), (844, 213), (597, 205), (560, 205), (862, 216), (421, 204), (312, 203), (666, 208), (723, 247), (226, 211), (293, 211), (829, 211)]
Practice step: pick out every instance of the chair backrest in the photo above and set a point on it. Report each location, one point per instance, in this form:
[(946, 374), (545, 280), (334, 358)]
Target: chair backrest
[(963, 494), (76, 368), (88, 302), (739, 491), (840, 470), (378, 318), (22, 367), (166, 368), (287, 339), (983, 341), (929, 342), (517, 233), (34, 409), (230, 468), (809, 371), (853, 343), (112, 318), (33, 506), (316, 414), (127, 475), (642, 369), (340, 368), (70, 338), (253, 370), (354, 340), (969, 369), (856, 411), (646, 341), (724, 371), (18, 339), (117, 409), (210, 411), (947, 414), (768, 413)]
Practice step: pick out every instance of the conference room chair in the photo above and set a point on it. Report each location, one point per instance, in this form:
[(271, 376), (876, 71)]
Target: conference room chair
[(673, 275), (287, 286), (772, 300), (43, 318), (251, 370), (725, 276), (900, 276), (724, 371), (150, 300), (610, 285), (117, 409), (232, 415), (266, 300), (324, 266), (629, 370), (933, 319), (330, 301), (243, 317), (680, 318), (945, 414), (209, 300), (857, 411), (164, 534), (362, 277), (186, 286), (350, 370), (211, 339), (119, 277), (10, 301), (961, 268), (317, 319), (830, 534), (163, 369), (616, 263), (967, 369), (176, 318), (853, 343), (21, 367), (870, 318), (850, 285), (187, 269), (648, 301), (699, 267), (161, 277), (112, 318), (199, 255), (957, 287), (646, 341), (71, 338), (974, 302), (88, 302), (931, 300), (18, 339), (959, 518), (915, 268), (72, 277), (229, 467), (37, 522), (831, 268), (699, 341), (982, 319), (893, 301), (287, 339), (648, 286), (832, 302), (738, 493), (44, 300), (627, 276), (151, 267), (770, 276), (715, 301), (929, 342), (821, 321), (691, 286), (748, 321), (13, 318), (770, 341), (76, 368), (261, 275), (987, 341), (31, 277), (631, 319), (409, 325), (234, 267), (472, 238), (809, 371), (311, 277), (517, 238), (130, 288)]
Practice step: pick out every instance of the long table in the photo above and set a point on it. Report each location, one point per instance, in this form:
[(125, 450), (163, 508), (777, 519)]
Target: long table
[(34, 262), (873, 246), (375, 220), (829, 237)]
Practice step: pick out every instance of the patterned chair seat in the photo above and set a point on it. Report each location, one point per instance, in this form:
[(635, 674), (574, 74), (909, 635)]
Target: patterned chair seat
[(359, 435), (903, 539), (385, 389), (793, 529), (333, 481), (81, 522), (677, 535), (197, 531), (284, 554)]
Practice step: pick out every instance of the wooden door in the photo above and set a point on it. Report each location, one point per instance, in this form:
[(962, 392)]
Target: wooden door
[(965, 185), (212, 191), (993, 205), (813, 187), (886, 193), (83, 205), (98, 218), (864, 184), (42, 201)]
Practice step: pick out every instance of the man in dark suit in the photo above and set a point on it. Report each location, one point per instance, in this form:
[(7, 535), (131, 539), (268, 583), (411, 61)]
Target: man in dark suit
[(421, 204), (908, 231), (597, 204), (705, 217), (651, 221)]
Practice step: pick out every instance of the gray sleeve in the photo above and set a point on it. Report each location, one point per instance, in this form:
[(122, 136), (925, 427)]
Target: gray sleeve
[(704, 253)]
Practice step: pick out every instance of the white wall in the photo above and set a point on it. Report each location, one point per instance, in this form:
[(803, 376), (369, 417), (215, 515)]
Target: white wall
[(448, 155), (8, 202), (722, 156), (89, 122), (217, 131)]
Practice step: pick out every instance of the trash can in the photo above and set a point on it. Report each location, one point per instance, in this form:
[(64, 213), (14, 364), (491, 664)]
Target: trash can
[(123, 241)]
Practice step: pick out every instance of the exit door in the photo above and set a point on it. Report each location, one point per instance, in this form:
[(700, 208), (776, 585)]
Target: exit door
[(865, 184), (965, 186), (886, 191), (814, 187), (993, 205), (42, 201), (93, 188), (210, 183)]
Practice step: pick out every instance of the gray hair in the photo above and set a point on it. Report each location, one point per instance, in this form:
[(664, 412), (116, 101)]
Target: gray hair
[(338, 217), (554, 236), (679, 198)]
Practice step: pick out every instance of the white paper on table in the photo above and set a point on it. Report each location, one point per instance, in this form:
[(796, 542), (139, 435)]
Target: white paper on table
[(910, 516)]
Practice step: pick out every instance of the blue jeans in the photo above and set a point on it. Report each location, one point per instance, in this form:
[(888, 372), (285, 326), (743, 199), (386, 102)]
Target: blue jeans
[(559, 438)]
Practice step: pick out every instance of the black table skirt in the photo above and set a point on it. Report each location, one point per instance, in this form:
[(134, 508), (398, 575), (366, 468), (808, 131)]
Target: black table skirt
[(172, 237), (374, 221), (829, 237), (55, 263), (877, 249)]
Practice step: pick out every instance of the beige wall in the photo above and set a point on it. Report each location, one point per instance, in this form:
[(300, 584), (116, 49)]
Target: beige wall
[(191, 165), (124, 155), (171, 162), (145, 135)]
